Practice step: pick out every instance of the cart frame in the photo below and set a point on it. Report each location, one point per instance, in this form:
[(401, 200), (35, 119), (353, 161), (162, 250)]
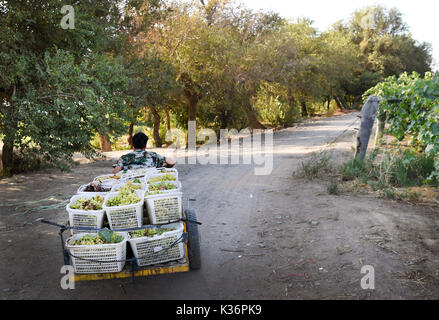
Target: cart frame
[(192, 257)]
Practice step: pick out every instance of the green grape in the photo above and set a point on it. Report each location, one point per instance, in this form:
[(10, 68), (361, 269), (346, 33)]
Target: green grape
[(128, 188), (126, 195), (90, 240), (123, 200), (162, 186), (94, 203), (166, 177), (149, 232), (116, 238)]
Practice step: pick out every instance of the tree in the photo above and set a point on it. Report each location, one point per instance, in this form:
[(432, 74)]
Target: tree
[(41, 110), (385, 44)]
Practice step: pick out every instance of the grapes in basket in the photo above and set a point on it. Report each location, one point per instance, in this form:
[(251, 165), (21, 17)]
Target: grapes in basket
[(129, 187), (150, 232), (158, 188), (123, 199), (166, 177), (103, 237), (94, 203)]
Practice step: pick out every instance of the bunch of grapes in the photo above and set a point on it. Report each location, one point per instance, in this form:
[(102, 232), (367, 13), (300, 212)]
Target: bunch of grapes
[(158, 188), (94, 203), (166, 177), (91, 240), (126, 195), (123, 200), (150, 232), (129, 187)]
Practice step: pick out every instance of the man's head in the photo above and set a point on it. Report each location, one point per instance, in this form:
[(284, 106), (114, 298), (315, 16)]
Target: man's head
[(140, 140)]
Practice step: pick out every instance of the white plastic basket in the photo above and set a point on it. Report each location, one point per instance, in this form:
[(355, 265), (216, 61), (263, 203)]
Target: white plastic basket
[(82, 192), (149, 251), (164, 208), (143, 173), (177, 184), (115, 254), (85, 218), (125, 217), (107, 180)]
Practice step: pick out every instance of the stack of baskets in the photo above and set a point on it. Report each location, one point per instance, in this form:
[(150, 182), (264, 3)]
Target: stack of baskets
[(160, 207)]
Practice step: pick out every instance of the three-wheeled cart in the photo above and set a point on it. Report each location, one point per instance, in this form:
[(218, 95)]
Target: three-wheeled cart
[(190, 261)]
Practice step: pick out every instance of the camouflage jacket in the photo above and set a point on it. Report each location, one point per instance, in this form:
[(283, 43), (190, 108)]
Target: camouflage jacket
[(141, 159)]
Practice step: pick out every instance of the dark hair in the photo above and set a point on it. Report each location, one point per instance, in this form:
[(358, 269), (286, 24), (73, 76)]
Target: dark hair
[(140, 140)]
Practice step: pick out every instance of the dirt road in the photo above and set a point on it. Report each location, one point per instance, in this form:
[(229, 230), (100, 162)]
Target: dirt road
[(263, 237)]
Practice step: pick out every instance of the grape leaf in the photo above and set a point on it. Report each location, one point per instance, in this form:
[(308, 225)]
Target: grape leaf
[(106, 235)]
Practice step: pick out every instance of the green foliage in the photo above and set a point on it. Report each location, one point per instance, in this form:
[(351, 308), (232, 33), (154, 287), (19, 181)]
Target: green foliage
[(385, 43), (59, 122), (59, 87), (216, 62), (411, 105), (391, 169), (273, 106)]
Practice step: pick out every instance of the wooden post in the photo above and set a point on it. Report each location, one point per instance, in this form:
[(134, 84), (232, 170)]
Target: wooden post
[(368, 117)]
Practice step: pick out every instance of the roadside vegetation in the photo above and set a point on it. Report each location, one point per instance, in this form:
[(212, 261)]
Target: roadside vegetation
[(390, 172), (410, 107)]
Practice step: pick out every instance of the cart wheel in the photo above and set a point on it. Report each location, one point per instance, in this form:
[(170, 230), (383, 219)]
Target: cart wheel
[(193, 244)]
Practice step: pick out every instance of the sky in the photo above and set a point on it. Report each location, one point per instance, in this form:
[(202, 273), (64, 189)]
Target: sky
[(421, 15)]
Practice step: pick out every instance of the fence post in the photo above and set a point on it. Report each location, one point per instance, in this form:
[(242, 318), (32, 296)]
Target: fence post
[(368, 117)]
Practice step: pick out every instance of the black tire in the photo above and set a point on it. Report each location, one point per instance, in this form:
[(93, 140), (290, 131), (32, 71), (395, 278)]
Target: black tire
[(193, 244)]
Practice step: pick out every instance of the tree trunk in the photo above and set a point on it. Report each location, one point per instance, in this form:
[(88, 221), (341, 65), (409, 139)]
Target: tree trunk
[(291, 101), (130, 135), (105, 144), (156, 116), (192, 112), (7, 159), (253, 120), (10, 125), (329, 103), (168, 119), (344, 103), (304, 109), (341, 103)]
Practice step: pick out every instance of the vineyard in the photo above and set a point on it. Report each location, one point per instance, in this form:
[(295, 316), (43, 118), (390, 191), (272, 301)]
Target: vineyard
[(411, 107)]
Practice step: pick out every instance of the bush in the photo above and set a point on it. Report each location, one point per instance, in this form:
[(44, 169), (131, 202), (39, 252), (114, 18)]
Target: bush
[(27, 163), (396, 169), (318, 164), (273, 106)]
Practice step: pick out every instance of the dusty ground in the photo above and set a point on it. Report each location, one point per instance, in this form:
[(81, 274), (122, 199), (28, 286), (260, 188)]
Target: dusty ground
[(263, 237)]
